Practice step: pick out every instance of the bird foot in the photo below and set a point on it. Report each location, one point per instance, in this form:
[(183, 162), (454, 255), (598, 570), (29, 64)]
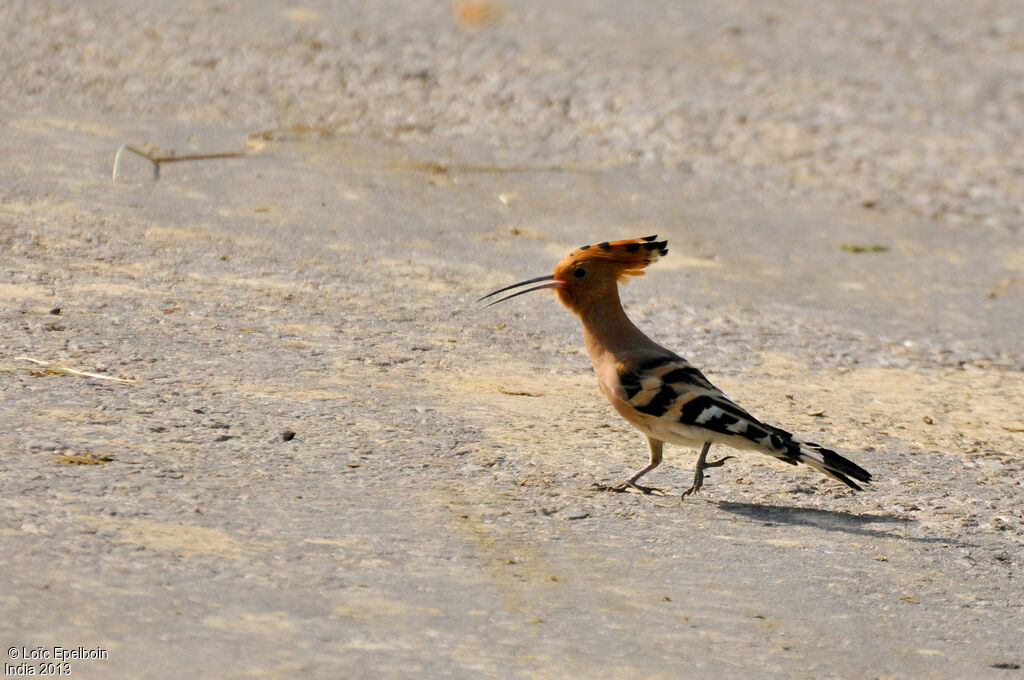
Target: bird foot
[(628, 487), (698, 475), (698, 481)]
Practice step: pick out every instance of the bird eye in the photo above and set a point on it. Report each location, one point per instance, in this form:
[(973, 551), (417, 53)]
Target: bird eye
[(580, 273)]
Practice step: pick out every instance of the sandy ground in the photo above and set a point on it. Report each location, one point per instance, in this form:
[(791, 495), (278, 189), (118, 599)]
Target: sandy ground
[(432, 516)]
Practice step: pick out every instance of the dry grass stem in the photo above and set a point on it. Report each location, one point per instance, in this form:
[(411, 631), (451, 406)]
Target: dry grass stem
[(50, 367)]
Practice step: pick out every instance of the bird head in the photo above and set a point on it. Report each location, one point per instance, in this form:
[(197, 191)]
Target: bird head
[(592, 272)]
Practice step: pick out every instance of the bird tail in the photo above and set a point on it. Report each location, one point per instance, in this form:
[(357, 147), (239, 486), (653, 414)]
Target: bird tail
[(821, 459)]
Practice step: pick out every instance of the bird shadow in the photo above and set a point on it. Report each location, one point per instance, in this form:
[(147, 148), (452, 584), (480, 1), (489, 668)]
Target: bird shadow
[(833, 520)]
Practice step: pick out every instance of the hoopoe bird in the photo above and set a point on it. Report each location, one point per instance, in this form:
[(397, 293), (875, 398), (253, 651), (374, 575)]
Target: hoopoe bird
[(656, 390)]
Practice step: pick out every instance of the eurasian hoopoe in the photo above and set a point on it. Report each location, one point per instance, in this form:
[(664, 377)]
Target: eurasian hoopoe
[(656, 390)]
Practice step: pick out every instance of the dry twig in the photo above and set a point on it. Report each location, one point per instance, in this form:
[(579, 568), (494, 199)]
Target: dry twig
[(50, 367)]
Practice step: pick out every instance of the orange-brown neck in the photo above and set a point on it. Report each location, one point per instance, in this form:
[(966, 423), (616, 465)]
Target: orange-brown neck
[(607, 331)]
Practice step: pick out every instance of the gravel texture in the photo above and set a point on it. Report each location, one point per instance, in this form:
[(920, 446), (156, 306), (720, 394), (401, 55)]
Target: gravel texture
[(331, 463)]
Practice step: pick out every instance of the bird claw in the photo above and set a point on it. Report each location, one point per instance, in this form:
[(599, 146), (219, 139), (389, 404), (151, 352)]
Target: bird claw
[(698, 481), (628, 487), (698, 475)]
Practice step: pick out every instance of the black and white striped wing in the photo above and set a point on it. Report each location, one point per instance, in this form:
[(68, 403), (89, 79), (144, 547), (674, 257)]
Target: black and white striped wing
[(672, 389), (675, 392)]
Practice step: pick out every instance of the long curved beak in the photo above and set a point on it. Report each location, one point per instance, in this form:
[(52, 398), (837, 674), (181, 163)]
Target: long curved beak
[(552, 283)]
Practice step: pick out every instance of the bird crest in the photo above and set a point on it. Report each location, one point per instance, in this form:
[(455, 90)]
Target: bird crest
[(630, 255)]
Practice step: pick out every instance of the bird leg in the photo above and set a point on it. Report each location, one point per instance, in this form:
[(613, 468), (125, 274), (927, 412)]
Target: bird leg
[(702, 464), (630, 484)]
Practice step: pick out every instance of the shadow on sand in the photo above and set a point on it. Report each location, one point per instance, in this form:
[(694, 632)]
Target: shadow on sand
[(831, 520)]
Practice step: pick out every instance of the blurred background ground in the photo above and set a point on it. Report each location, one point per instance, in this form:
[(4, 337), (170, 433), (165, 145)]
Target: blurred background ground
[(843, 191)]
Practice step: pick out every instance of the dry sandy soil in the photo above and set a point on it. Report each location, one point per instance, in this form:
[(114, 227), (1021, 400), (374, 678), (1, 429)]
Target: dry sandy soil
[(842, 188)]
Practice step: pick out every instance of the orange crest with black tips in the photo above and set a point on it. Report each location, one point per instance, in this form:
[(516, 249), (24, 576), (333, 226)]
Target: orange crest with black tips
[(629, 256)]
